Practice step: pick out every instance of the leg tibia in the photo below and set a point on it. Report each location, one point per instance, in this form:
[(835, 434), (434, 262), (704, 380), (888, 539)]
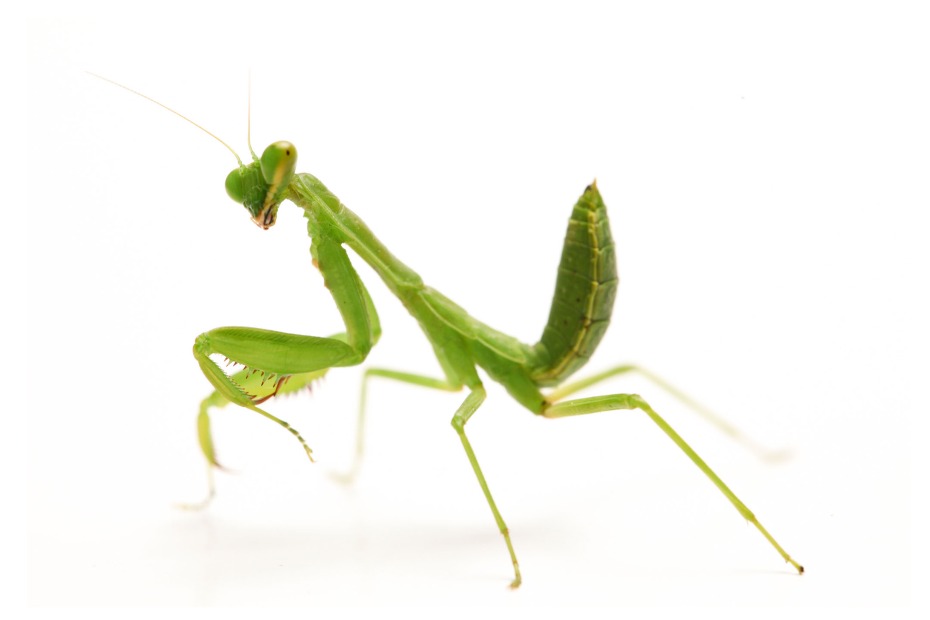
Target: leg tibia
[(233, 392), (255, 384)]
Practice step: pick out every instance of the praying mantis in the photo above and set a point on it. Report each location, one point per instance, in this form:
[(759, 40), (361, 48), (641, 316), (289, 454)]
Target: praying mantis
[(276, 363)]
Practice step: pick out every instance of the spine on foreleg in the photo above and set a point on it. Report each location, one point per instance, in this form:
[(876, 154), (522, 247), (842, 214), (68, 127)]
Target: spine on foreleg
[(584, 292)]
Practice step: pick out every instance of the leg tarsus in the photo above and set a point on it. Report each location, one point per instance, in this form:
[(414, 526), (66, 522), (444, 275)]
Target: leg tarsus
[(517, 578), (205, 502)]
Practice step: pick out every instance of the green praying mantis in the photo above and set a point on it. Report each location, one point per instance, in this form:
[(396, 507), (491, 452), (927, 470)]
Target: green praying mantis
[(275, 363)]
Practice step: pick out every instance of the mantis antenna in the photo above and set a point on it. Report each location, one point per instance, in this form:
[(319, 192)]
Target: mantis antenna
[(200, 127), (249, 123)]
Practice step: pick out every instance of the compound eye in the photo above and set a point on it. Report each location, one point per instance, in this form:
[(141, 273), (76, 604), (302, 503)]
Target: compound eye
[(234, 186), (278, 163)]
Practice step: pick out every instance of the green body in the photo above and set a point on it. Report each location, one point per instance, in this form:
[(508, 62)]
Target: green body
[(585, 290), (277, 363), (581, 308)]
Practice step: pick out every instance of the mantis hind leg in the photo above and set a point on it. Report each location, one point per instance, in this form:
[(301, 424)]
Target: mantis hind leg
[(632, 401), (713, 418)]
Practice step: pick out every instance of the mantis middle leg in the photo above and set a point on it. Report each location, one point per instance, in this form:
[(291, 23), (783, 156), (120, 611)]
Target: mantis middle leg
[(404, 377)]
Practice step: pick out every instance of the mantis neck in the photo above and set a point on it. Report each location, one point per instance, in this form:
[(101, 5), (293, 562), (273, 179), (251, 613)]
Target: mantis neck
[(328, 216)]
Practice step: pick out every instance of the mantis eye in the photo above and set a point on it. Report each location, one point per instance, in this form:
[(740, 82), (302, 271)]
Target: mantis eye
[(278, 164), (234, 186)]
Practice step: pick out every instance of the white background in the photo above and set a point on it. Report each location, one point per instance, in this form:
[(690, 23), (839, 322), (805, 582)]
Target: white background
[(766, 176)]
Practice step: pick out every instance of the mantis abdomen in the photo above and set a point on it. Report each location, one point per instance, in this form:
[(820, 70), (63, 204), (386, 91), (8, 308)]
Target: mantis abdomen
[(584, 292)]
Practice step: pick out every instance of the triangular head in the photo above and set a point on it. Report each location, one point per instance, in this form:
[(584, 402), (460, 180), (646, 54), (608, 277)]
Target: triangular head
[(261, 186)]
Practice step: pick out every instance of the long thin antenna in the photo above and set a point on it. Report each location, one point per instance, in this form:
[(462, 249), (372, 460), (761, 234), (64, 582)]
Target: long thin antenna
[(135, 92), (249, 123)]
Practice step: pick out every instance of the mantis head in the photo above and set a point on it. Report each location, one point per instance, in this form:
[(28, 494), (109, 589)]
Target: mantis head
[(260, 187)]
